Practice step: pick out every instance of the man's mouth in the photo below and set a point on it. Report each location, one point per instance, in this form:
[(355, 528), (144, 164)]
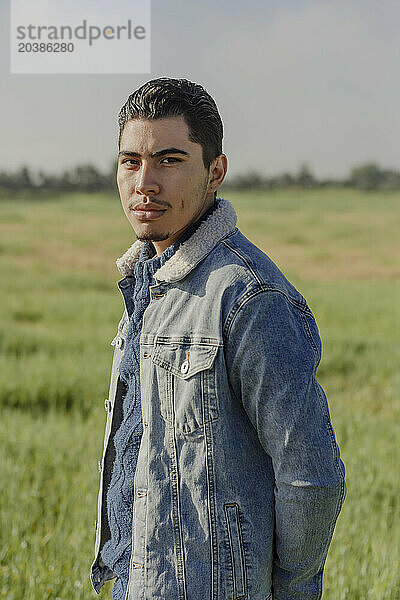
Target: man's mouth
[(148, 214)]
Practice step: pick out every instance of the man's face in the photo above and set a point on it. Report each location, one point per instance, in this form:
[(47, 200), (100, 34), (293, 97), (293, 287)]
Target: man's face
[(162, 181)]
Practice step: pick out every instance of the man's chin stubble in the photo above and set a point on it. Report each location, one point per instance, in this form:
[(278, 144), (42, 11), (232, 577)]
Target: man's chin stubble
[(153, 237)]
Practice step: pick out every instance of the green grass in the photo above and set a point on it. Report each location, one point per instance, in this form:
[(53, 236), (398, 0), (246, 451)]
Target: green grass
[(59, 309)]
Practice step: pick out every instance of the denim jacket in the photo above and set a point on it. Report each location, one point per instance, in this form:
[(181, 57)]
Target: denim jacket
[(239, 480)]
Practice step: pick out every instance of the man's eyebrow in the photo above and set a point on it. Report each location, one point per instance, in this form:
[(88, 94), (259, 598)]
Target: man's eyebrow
[(155, 154)]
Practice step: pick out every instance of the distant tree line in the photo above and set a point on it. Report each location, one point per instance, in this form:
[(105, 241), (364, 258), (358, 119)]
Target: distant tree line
[(364, 177), (83, 178), (87, 178)]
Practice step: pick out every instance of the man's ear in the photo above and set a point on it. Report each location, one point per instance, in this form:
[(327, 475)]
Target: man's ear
[(218, 169)]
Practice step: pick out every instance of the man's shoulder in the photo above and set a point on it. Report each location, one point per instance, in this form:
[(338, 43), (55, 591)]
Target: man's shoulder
[(239, 259)]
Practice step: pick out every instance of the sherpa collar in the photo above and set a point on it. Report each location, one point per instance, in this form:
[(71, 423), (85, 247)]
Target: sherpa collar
[(220, 222)]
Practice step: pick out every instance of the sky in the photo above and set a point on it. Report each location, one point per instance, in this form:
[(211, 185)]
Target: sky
[(306, 81)]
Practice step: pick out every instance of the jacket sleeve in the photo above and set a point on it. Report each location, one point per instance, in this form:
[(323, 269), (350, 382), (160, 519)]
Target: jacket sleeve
[(273, 349)]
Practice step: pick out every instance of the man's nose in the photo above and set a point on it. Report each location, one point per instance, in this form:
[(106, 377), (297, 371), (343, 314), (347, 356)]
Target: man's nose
[(146, 181)]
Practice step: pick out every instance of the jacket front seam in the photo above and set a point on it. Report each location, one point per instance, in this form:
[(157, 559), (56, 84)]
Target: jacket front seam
[(175, 498), (211, 499)]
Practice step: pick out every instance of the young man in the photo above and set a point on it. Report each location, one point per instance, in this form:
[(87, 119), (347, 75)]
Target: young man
[(221, 478)]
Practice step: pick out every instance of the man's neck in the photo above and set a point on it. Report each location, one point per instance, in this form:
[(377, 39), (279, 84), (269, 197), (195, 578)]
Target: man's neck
[(161, 246)]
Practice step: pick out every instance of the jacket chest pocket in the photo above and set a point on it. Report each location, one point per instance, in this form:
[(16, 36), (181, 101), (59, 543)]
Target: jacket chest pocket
[(186, 384)]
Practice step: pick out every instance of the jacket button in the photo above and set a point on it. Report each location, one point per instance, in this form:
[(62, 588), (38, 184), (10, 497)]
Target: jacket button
[(119, 342), (141, 493), (185, 367), (107, 404), (99, 465)]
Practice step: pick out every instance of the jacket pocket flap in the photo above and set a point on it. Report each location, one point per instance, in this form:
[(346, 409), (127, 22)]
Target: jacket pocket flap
[(184, 360)]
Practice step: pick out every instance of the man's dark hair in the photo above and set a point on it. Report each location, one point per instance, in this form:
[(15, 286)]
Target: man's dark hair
[(166, 97)]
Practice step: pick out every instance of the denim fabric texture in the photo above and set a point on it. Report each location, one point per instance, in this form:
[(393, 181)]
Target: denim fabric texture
[(239, 480)]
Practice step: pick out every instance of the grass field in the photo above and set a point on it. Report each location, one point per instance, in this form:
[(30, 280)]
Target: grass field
[(59, 309)]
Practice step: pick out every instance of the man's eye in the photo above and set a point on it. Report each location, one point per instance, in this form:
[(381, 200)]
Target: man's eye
[(130, 161), (171, 158)]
